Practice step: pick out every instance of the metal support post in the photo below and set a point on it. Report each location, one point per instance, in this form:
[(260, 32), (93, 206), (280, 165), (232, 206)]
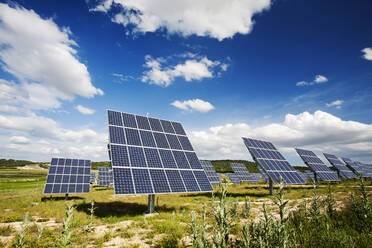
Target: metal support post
[(66, 197), (151, 204), (271, 186)]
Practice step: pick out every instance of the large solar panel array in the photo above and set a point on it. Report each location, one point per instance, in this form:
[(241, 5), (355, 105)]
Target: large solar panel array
[(234, 178), (67, 176), (322, 171), (367, 169), (105, 177), (92, 177), (244, 174), (354, 167), (340, 167), (272, 162), (153, 156), (307, 175), (213, 177)]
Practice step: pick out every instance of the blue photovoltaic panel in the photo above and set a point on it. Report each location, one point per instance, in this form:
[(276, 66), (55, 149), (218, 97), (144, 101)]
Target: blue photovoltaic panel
[(92, 177), (316, 165), (67, 176), (213, 177), (152, 156), (234, 178), (244, 174), (344, 171), (354, 167), (105, 176), (272, 162)]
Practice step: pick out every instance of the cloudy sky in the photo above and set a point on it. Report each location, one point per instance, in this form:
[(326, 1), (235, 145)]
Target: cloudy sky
[(294, 72)]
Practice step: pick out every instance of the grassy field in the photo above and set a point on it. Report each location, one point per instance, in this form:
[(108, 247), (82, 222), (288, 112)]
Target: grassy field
[(120, 221)]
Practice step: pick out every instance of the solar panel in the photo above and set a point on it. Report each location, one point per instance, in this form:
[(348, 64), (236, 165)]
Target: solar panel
[(367, 169), (213, 177), (234, 178), (344, 171), (354, 166), (92, 177), (272, 162), (67, 176), (317, 166), (307, 175), (152, 156), (105, 177), (244, 174)]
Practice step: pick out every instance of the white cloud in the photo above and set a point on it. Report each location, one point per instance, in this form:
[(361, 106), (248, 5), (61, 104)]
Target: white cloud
[(191, 69), (85, 110), (8, 109), (39, 138), (336, 104), (367, 53), (43, 127), (319, 79), (193, 105), (43, 57), (19, 140), (320, 131), (218, 19)]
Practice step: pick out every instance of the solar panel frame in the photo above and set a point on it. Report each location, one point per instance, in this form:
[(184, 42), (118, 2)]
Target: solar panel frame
[(211, 173), (160, 145), (322, 171), (243, 173), (343, 170), (272, 161), (105, 176), (66, 173)]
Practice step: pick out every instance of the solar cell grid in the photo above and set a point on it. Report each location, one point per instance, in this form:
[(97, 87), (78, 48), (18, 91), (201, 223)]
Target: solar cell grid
[(213, 177), (105, 176), (156, 157), (272, 162), (344, 171), (315, 164), (62, 176)]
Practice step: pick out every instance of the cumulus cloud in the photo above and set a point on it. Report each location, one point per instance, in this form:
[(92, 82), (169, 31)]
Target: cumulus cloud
[(85, 110), (319, 79), (367, 53), (19, 140), (319, 131), (43, 57), (336, 104), (38, 138), (193, 105), (8, 109), (192, 68), (217, 19)]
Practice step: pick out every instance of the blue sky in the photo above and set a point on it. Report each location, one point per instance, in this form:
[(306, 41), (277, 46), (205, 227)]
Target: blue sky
[(297, 73)]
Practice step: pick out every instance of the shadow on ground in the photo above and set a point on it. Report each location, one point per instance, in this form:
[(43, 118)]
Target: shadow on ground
[(60, 198), (118, 209)]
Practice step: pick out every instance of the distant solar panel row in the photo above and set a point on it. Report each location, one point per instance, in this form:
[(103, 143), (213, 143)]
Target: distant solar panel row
[(321, 170), (213, 178), (68, 176), (92, 177), (344, 171), (308, 175), (272, 162), (151, 156), (105, 176), (234, 178), (244, 174)]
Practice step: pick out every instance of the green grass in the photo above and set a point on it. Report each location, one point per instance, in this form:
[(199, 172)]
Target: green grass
[(21, 192)]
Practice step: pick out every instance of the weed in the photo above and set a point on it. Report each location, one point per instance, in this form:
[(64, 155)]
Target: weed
[(6, 230), (65, 240), (21, 237), (90, 227)]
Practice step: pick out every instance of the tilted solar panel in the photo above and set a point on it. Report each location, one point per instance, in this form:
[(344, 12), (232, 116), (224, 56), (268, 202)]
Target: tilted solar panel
[(67, 176), (92, 177), (234, 178), (213, 177), (244, 174), (272, 162), (153, 156), (316, 165), (344, 171), (105, 176)]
